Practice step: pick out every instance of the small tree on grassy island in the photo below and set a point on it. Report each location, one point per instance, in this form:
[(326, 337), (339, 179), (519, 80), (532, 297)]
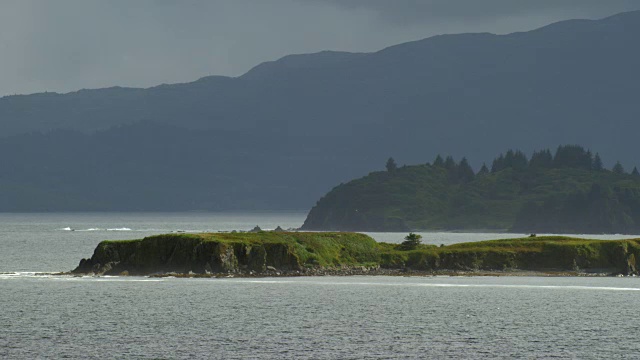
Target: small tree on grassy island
[(411, 241), (391, 165)]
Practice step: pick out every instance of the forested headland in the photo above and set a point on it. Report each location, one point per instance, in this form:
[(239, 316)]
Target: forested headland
[(566, 191)]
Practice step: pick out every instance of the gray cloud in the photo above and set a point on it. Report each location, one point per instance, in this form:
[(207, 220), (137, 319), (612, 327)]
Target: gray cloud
[(66, 45), (403, 11)]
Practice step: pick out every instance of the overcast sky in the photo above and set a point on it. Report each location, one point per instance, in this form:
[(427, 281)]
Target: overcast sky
[(65, 45)]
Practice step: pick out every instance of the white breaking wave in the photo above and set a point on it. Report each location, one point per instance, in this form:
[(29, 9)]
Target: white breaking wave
[(514, 286), (18, 273), (100, 229), (23, 274), (57, 277), (163, 231)]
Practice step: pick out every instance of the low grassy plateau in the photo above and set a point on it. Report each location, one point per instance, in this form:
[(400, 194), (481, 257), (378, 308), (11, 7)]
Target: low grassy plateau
[(320, 253)]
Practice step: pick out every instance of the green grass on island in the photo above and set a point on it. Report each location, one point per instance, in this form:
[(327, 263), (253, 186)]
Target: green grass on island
[(311, 248), (296, 251)]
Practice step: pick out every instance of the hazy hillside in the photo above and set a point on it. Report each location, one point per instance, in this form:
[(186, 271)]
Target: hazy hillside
[(161, 167), (474, 94)]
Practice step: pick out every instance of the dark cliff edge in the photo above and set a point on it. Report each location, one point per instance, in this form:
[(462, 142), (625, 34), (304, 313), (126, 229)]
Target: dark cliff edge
[(228, 253), (309, 253)]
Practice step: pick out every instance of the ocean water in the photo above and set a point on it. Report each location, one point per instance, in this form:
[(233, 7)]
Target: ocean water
[(357, 317), (57, 242)]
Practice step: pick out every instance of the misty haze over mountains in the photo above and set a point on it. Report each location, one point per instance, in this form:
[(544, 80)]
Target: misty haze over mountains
[(287, 131)]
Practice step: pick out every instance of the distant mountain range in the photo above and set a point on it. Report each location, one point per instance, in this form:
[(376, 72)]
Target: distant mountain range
[(285, 132)]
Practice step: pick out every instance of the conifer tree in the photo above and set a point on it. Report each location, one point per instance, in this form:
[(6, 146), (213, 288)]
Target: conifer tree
[(573, 156), (391, 165), (520, 161), (541, 159), (438, 161), (465, 172), (597, 163), (498, 164), (483, 170), (449, 163), (512, 159), (587, 162), (508, 158), (635, 172), (618, 168)]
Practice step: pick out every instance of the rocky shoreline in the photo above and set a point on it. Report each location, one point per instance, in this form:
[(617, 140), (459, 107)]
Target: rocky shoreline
[(361, 271)]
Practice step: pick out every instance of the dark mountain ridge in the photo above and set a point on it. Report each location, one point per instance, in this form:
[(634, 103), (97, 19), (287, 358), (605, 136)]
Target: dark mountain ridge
[(570, 82)]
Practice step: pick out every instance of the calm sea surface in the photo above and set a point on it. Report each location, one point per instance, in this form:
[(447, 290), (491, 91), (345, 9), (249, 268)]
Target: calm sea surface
[(289, 318)]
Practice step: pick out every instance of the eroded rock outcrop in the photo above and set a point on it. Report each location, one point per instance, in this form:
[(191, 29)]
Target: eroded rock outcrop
[(184, 254)]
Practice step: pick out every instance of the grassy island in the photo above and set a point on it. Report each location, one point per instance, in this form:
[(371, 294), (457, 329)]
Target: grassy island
[(319, 253)]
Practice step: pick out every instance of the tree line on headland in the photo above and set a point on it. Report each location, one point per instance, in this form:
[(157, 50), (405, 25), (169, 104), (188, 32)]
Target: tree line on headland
[(566, 156)]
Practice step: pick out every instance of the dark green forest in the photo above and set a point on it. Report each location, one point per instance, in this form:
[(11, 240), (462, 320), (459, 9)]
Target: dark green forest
[(566, 191)]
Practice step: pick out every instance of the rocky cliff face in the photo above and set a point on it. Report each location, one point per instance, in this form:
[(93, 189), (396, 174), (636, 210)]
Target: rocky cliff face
[(544, 254), (180, 254)]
